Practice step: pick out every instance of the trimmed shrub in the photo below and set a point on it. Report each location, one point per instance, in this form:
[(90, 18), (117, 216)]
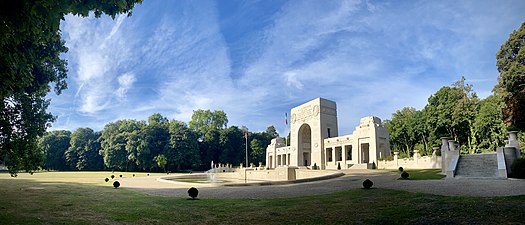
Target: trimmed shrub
[(133, 175), (405, 175), (315, 166), (193, 192), (112, 176), (339, 166), (400, 169), (107, 179), (148, 174), (120, 175), (367, 184), (116, 184), (518, 168)]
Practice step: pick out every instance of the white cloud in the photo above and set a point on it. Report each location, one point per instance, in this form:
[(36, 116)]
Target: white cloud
[(125, 82), (98, 51), (369, 57)]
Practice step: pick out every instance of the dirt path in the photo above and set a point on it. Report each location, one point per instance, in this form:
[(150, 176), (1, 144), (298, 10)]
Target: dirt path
[(352, 180)]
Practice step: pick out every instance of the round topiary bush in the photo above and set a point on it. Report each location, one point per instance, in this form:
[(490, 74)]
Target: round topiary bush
[(116, 184), (400, 169), (133, 175), (120, 175), (112, 176), (404, 175), (518, 168), (193, 192), (367, 184), (107, 179), (148, 174)]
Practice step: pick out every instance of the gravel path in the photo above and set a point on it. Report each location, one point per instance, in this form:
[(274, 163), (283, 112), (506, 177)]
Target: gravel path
[(352, 179)]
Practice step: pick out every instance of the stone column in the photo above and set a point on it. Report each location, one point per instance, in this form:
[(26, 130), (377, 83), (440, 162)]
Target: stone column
[(510, 156), (333, 156), (513, 142), (416, 157), (451, 145), (435, 150), (444, 153), (396, 158), (343, 156)]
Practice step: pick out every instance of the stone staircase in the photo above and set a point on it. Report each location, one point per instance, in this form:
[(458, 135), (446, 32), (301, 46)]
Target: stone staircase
[(358, 167), (477, 166)]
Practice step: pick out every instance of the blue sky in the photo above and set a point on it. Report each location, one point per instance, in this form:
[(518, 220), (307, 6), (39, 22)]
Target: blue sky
[(258, 59)]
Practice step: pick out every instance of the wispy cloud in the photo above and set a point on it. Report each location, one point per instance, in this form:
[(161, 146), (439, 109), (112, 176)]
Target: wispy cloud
[(125, 82), (97, 50), (256, 60)]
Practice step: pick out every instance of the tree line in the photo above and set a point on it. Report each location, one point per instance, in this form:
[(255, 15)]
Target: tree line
[(456, 111), (154, 145), (30, 67)]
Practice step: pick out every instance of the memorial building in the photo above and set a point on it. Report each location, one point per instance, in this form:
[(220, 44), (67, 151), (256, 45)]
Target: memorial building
[(315, 142)]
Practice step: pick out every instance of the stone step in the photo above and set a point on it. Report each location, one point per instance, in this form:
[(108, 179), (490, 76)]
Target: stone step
[(478, 165), (357, 166)]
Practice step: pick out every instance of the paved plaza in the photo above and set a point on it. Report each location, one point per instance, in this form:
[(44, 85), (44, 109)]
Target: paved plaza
[(352, 179)]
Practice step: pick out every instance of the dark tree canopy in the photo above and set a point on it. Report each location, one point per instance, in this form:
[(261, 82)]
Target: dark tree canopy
[(54, 145), (30, 48), (511, 85)]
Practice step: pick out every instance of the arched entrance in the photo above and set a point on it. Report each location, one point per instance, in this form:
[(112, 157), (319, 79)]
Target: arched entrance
[(305, 145)]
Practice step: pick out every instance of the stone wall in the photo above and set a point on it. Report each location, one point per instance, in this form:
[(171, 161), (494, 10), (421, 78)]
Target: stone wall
[(415, 162)]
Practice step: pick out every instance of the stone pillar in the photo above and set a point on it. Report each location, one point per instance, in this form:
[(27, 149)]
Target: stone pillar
[(333, 156), (444, 153), (343, 156), (513, 142), (451, 145), (510, 156), (435, 150), (396, 158), (416, 157)]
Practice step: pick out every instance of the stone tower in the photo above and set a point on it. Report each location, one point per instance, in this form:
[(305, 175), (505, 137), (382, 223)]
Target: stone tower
[(311, 123)]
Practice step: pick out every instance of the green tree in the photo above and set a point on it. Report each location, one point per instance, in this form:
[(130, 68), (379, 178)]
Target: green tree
[(402, 133), (83, 152), (154, 139), (511, 81), (114, 142), (258, 151), (258, 143), (205, 120), (162, 161), (232, 145), (30, 49), (451, 111), (488, 126), (271, 132), (54, 145), (184, 146), (208, 125)]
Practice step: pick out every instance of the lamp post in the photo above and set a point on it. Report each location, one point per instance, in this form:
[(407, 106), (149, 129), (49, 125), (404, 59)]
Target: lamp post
[(246, 147), (246, 151)]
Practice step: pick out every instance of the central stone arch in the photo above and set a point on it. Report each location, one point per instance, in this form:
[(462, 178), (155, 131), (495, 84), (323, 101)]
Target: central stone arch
[(305, 145)]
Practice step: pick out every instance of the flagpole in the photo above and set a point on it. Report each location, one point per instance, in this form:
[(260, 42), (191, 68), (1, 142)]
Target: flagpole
[(285, 128)]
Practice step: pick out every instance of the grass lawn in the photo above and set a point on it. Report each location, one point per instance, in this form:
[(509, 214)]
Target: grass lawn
[(423, 174), (84, 198)]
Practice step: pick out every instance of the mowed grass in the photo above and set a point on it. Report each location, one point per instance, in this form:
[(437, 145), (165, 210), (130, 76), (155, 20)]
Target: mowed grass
[(423, 174), (84, 198)]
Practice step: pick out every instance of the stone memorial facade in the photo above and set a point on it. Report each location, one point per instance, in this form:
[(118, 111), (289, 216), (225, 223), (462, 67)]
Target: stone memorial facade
[(315, 142)]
